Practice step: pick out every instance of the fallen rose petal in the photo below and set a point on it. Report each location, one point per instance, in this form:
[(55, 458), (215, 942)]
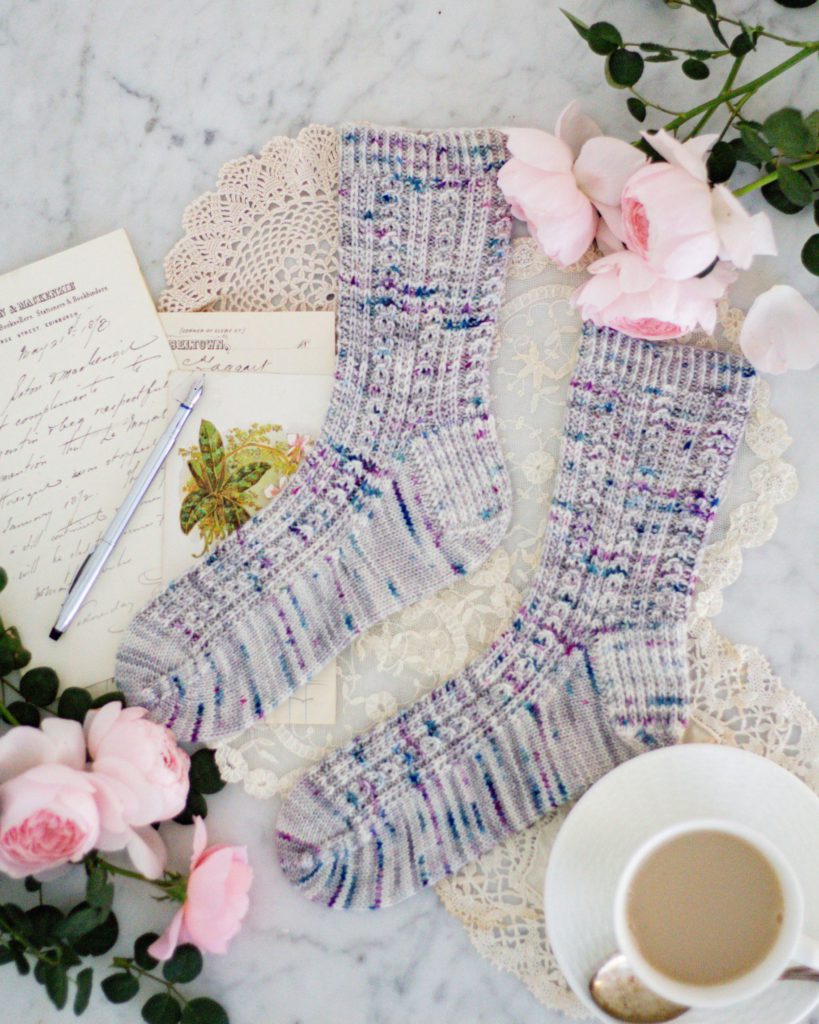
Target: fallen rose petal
[(781, 331)]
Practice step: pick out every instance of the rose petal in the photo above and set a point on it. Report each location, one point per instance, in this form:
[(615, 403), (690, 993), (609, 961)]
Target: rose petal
[(781, 331), (98, 722), (741, 236), (689, 155), (574, 127), (147, 851), (163, 947), (58, 741), (603, 167), (565, 240), (540, 149), (200, 839)]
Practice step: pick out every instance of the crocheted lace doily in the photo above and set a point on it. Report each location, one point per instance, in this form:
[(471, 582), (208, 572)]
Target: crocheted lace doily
[(266, 239)]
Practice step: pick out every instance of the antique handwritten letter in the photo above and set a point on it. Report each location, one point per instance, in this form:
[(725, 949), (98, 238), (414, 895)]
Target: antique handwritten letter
[(83, 370), (266, 419)]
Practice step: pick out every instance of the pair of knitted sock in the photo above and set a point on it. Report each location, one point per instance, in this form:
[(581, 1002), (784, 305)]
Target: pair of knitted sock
[(405, 490)]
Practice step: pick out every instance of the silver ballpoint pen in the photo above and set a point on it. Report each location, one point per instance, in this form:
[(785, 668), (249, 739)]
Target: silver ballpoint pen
[(99, 554)]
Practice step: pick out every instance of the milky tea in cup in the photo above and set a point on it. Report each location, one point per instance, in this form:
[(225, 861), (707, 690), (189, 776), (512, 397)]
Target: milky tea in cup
[(708, 912)]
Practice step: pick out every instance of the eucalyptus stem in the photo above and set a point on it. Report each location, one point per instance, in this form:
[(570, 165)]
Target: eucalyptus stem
[(800, 165), (729, 81), (749, 87), (7, 715), (649, 103), (125, 963), (758, 29)]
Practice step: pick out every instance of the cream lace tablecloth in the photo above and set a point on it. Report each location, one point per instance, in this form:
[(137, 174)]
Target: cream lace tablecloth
[(267, 239)]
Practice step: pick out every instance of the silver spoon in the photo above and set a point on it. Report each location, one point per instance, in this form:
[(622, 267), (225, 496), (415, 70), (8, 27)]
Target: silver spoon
[(618, 992)]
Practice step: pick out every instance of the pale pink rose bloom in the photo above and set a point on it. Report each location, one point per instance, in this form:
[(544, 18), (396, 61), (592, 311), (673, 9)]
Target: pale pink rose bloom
[(141, 758), (781, 331), (216, 901), (625, 293), (48, 817), (678, 223), (558, 183), (57, 740)]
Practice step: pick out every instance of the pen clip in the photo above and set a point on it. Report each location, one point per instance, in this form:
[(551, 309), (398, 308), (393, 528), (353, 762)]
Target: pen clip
[(78, 573)]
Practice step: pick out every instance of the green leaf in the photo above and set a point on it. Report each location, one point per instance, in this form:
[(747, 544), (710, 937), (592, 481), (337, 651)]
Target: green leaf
[(774, 195), (695, 69), (40, 686), (755, 144), (82, 921), (204, 1011), (810, 254), (581, 27), (624, 68), (796, 3), (213, 453), (812, 122), (161, 1009), (56, 984), (742, 44), (20, 962), (4, 578), (99, 892), (786, 130), (194, 805), (108, 698), (660, 58), (816, 212), (246, 477), (99, 940), (795, 186), (73, 704), (653, 48), (25, 713), (603, 37), (85, 980), (6, 956), (120, 987), (636, 108), (31, 884), (185, 965), (195, 507), (204, 774), (717, 31), (43, 922), (707, 7), (721, 162), (142, 958)]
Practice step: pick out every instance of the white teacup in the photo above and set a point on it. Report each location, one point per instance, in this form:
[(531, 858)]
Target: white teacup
[(789, 946)]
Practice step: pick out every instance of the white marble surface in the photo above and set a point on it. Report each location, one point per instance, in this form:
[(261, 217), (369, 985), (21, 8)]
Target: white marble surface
[(118, 114)]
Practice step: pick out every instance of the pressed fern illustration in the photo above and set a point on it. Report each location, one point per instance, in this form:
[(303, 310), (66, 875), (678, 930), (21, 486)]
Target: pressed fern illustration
[(230, 480)]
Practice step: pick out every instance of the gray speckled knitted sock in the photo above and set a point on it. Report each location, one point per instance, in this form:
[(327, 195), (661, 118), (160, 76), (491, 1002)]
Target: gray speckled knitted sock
[(405, 488), (592, 670)]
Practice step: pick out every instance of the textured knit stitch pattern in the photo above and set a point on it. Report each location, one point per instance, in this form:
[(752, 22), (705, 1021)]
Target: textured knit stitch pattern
[(406, 487), (591, 671)]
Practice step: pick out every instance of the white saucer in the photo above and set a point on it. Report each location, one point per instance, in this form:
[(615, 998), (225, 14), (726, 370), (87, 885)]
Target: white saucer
[(638, 799)]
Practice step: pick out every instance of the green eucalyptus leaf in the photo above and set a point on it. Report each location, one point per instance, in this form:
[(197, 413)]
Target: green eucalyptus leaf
[(81, 921), (4, 578), (603, 37), (796, 4), (99, 892), (99, 940), (581, 27), (120, 987), (6, 955), (624, 68), (812, 123), (754, 143), (810, 254), (816, 212), (695, 69), (714, 23), (661, 58), (74, 703), (25, 713), (707, 7), (795, 186), (204, 774), (194, 805), (636, 108), (774, 195), (204, 1011), (185, 965), (161, 1009), (84, 980), (108, 698), (142, 958), (721, 162), (56, 984), (39, 686), (246, 477), (20, 962), (31, 884), (43, 921), (742, 44), (653, 48), (786, 130)]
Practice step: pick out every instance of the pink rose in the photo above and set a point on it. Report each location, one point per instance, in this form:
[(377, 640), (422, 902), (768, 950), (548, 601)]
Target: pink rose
[(678, 223), (216, 901), (139, 758), (48, 816), (781, 331), (560, 184), (625, 293)]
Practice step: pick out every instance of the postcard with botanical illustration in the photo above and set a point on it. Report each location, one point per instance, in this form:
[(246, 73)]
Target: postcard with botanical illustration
[(247, 436)]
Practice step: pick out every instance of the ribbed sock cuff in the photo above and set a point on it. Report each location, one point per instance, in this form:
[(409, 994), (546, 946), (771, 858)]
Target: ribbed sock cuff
[(662, 364), (426, 156)]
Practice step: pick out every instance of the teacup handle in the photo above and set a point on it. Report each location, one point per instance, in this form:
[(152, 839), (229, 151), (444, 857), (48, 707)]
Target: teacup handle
[(806, 953)]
